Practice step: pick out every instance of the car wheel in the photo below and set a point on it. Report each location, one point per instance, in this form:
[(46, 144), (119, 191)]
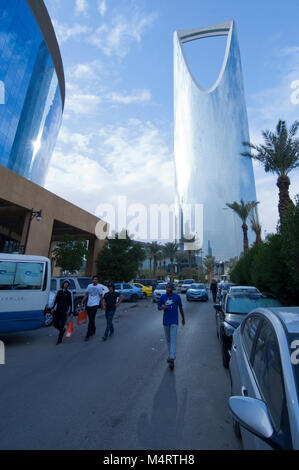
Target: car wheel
[(224, 353), (188, 299), (144, 295), (77, 306), (48, 319), (134, 298)]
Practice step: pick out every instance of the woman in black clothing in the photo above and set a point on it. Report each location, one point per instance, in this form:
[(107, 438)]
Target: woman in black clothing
[(64, 304)]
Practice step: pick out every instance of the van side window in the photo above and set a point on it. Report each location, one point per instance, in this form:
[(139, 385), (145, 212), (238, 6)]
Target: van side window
[(21, 275)]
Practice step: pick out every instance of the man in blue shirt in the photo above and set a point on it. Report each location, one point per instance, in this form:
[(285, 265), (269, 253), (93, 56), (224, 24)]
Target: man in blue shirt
[(170, 303)]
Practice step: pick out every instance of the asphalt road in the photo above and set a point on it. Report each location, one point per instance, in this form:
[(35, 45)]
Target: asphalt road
[(117, 394)]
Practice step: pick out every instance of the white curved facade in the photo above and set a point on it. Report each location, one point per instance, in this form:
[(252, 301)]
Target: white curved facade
[(210, 126)]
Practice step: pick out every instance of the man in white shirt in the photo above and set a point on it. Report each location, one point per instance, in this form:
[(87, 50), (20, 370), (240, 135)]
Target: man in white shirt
[(94, 295)]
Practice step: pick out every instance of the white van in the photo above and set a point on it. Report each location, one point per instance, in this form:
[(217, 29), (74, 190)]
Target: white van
[(24, 291)]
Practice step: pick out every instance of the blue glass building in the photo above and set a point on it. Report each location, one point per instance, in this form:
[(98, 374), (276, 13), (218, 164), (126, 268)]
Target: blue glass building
[(210, 126), (32, 77)]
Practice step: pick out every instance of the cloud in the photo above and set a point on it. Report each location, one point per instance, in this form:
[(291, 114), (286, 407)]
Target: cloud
[(132, 160), (81, 104), (81, 7), (102, 7), (87, 71), (137, 96), (65, 32), (117, 37)]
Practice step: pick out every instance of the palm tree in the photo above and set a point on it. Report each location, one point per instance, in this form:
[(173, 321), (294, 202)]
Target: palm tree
[(209, 264), (170, 251), (149, 255), (279, 155), (243, 210), (154, 248), (256, 227), (180, 256)]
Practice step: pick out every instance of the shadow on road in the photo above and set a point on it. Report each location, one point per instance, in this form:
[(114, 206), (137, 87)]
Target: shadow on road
[(164, 428)]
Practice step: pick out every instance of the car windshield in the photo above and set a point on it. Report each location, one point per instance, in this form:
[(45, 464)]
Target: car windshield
[(197, 286), (161, 286), (84, 282), (293, 339), (188, 282), (117, 286), (244, 289), (247, 303)]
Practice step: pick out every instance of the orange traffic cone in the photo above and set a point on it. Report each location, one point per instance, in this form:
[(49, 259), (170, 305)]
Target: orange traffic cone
[(70, 329)]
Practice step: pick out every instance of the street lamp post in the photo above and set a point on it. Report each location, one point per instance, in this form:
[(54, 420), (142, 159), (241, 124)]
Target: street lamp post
[(38, 216)]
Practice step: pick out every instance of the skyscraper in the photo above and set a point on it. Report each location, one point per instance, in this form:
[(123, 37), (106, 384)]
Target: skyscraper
[(32, 76), (210, 126)]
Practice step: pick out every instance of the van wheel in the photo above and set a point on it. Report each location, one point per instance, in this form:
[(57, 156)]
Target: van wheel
[(48, 319), (134, 298), (77, 306)]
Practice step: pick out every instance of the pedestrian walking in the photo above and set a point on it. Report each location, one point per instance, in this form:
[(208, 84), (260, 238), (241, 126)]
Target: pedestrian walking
[(93, 295), (110, 302), (170, 303), (213, 288), (63, 305)]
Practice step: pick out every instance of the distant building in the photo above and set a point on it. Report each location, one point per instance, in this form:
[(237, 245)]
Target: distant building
[(210, 126)]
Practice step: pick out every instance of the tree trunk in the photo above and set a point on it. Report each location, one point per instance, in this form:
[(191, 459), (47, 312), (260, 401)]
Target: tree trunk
[(285, 202), (258, 239), (155, 265), (150, 260), (245, 238)]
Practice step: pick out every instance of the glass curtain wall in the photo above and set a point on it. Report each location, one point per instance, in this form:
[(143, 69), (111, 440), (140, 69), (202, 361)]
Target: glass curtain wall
[(31, 114)]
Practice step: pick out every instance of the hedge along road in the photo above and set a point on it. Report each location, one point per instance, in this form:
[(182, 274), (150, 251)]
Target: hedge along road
[(118, 394)]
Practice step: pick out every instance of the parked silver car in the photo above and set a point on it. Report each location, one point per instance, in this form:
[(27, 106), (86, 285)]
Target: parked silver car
[(186, 284), (264, 370)]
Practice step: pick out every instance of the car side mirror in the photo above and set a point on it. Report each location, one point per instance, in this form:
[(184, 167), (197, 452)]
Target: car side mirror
[(217, 307), (253, 415)]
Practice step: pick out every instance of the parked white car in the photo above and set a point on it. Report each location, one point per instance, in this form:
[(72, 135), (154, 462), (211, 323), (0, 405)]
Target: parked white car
[(160, 289)]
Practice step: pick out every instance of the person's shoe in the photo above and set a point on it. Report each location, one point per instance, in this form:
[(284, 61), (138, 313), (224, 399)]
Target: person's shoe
[(86, 338), (59, 341), (171, 363), (104, 338)]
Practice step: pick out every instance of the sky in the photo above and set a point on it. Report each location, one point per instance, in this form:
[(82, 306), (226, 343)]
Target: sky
[(116, 138)]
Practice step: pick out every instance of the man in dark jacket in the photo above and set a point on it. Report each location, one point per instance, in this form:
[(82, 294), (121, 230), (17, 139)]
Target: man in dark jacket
[(64, 304)]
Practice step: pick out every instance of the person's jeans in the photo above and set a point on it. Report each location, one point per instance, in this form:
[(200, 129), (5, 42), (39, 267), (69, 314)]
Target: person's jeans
[(109, 317), (170, 334), (91, 312)]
